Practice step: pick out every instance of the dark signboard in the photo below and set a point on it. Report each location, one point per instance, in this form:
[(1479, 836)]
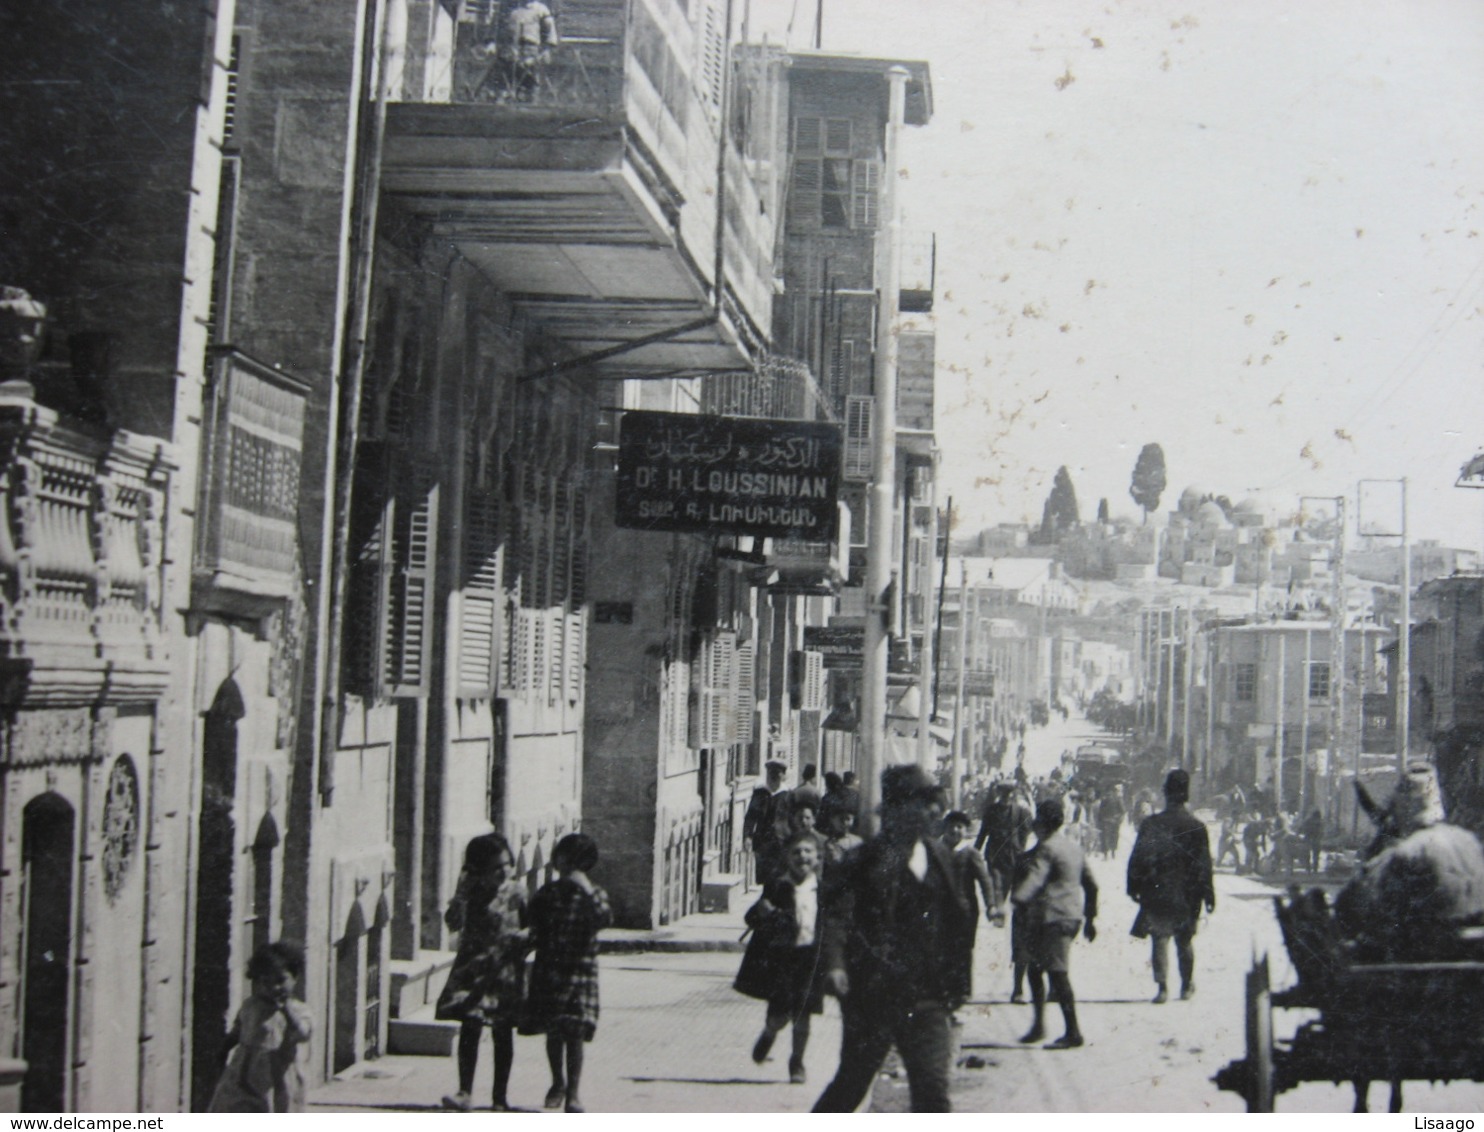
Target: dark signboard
[(842, 646), (728, 475)]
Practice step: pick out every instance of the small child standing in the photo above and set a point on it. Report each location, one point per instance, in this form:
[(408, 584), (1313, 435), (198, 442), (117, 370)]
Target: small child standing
[(486, 986), (566, 916), (269, 1039)]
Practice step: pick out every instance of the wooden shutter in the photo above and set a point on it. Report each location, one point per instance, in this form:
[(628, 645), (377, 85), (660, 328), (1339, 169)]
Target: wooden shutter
[(479, 601), (811, 681), (860, 412), (808, 135), (804, 188), (746, 709), (370, 516), (865, 189), (576, 639), (407, 628)]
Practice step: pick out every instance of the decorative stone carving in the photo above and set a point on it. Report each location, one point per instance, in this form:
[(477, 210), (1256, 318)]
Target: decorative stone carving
[(120, 826)]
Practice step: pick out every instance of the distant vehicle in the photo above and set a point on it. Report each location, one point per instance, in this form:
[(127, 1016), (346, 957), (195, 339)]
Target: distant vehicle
[(1040, 713), (1101, 765)]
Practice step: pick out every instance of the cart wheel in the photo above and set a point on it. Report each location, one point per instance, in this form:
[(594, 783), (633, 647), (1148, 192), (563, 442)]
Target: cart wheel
[(1259, 1038)]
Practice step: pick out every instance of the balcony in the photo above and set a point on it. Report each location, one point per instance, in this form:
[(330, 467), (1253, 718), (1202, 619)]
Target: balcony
[(583, 182), (246, 561), (81, 548)]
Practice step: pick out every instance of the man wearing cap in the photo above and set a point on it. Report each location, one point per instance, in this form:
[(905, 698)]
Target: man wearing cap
[(892, 913), (1004, 830), (766, 820), (1169, 877), (1422, 879)]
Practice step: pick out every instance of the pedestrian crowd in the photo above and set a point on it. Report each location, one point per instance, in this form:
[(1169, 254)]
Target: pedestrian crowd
[(888, 925)]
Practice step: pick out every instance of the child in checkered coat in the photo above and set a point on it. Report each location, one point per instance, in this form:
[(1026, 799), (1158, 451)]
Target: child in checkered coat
[(565, 917)]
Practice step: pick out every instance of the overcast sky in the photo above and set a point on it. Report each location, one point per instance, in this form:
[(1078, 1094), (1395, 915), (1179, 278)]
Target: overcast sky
[(1249, 231)]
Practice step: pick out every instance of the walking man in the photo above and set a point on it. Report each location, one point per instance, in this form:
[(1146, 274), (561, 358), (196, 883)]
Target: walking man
[(892, 916), (766, 821), (1169, 877), (1050, 894), (1004, 829)]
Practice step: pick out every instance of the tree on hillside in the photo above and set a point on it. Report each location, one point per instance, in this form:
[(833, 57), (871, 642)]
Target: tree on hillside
[(1149, 478), (1060, 513), (1103, 510)]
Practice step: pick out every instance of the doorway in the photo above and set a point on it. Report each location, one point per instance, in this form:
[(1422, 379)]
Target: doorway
[(216, 853), (46, 1005)]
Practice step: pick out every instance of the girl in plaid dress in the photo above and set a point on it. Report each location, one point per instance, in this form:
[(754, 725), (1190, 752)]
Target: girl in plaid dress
[(486, 985), (566, 915)]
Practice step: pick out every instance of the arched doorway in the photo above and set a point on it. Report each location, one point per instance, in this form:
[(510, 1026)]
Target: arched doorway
[(348, 990), (47, 853), (211, 993)]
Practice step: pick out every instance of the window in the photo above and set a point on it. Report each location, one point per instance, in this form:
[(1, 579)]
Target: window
[(1319, 680), (827, 185), (1244, 683)]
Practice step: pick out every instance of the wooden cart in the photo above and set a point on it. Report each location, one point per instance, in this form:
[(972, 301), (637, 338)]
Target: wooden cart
[(1377, 1021)]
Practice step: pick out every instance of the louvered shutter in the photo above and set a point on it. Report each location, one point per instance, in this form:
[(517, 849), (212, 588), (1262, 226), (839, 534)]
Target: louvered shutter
[(576, 655), (803, 197), (713, 692), (865, 188), (860, 412), (713, 54), (535, 674), (370, 518), (556, 660), (407, 628), (808, 135), (812, 681), (479, 602), (746, 685)]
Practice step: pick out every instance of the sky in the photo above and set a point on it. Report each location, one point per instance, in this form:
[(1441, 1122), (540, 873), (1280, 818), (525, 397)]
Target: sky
[(1252, 233)]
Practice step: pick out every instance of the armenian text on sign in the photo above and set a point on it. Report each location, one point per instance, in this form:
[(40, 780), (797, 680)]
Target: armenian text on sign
[(728, 475), (841, 646)]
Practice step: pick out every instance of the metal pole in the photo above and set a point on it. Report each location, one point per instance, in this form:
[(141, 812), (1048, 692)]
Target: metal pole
[(1337, 651), (882, 493), (958, 698), (1278, 727), (927, 665), (1168, 641), (1305, 688), (1188, 654), (1404, 649)]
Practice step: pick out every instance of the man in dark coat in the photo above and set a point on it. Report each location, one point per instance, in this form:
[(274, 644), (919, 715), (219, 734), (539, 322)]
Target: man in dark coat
[(1169, 877), (892, 917), (1004, 830), (765, 824)]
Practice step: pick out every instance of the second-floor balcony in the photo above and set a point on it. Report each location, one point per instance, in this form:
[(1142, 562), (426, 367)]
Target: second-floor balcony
[(82, 517), (581, 176)]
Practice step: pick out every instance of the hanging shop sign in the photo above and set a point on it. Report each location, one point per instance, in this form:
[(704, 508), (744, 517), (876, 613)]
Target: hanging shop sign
[(728, 475), (842, 646)]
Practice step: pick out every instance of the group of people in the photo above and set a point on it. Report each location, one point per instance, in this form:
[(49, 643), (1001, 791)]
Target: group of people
[(888, 925), (1278, 843), (489, 986)]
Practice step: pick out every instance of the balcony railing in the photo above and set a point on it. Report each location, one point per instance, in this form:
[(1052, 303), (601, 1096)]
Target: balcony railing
[(576, 74), (80, 555)]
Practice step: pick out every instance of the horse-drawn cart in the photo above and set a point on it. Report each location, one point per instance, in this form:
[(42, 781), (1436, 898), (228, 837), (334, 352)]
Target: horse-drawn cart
[(1376, 1021)]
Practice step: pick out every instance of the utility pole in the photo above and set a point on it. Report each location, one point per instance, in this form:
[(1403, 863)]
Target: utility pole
[(1337, 651), (1404, 650), (1188, 655), (958, 697), (882, 492), (1280, 726), (927, 666)]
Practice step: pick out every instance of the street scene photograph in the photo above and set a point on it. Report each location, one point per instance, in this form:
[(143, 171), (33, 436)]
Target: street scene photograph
[(741, 557)]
